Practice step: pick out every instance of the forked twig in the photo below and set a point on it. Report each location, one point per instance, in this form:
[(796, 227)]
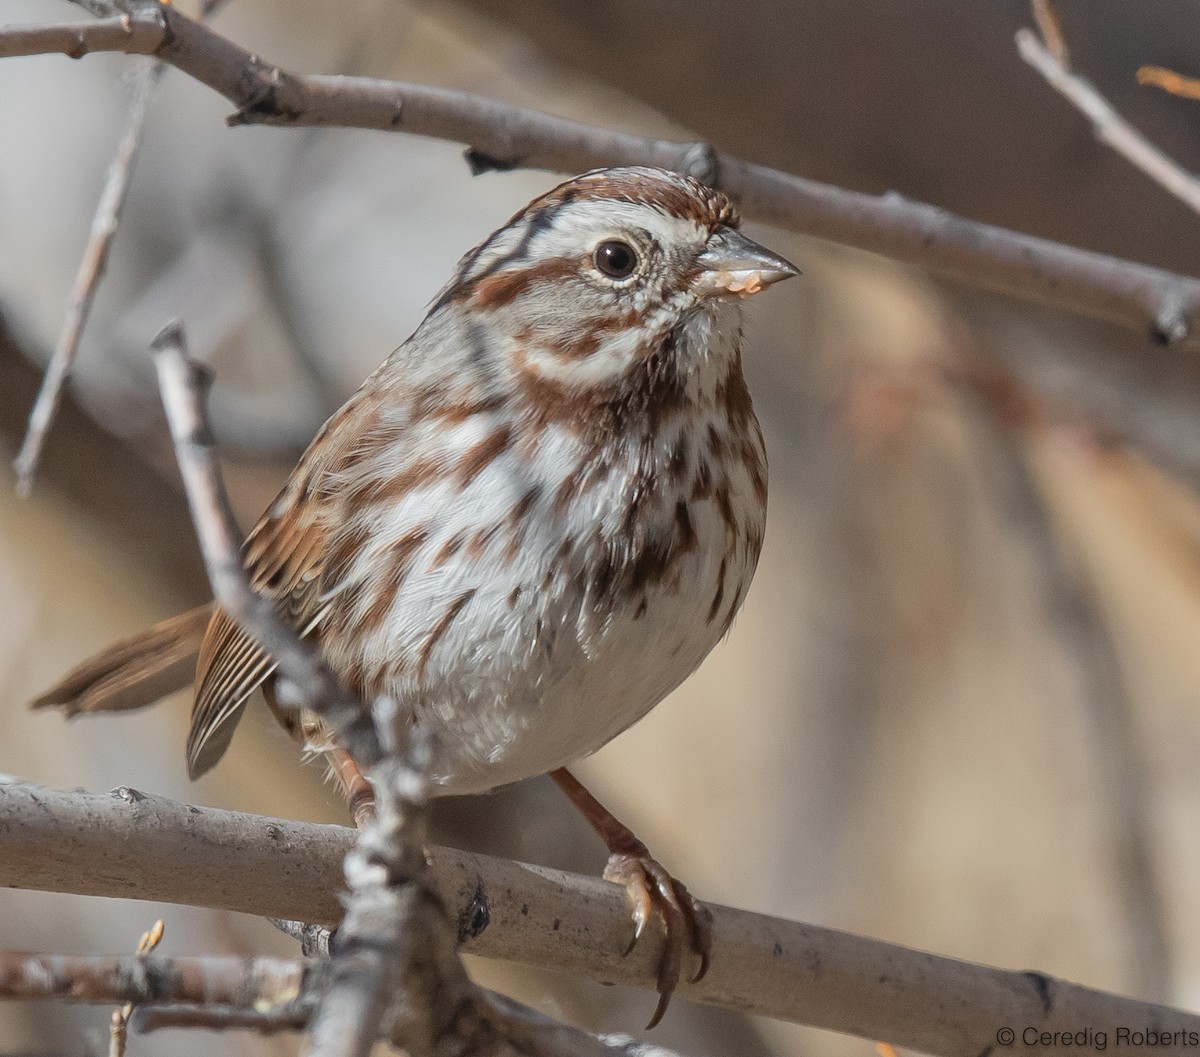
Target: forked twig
[(1110, 128)]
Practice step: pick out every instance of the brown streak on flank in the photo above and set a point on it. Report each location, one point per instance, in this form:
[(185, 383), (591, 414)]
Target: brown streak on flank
[(654, 563), (716, 602), (502, 288), (703, 486), (557, 564), (437, 404), (514, 596), (734, 396), (725, 506), (523, 505), (382, 596), (449, 549), (400, 554), (341, 556), (727, 623), (685, 535), (440, 628), (718, 447), (481, 538), (568, 490), (677, 460), (420, 472), (759, 481), (479, 455), (518, 522)]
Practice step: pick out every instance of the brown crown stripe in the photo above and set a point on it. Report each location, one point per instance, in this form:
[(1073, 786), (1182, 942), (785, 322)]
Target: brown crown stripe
[(677, 196), (440, 628), (476, 457)]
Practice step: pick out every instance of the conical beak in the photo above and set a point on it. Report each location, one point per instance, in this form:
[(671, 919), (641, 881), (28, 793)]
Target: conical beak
[(735, 265)]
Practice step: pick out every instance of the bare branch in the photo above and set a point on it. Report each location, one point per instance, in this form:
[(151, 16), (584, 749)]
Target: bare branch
[(1111, 129), (238, 983), (79, 842), (292, 1016), (261, 994), (1160, 303)]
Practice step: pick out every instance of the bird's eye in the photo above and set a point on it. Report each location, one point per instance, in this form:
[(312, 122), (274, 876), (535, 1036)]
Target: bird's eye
[(615, 259)]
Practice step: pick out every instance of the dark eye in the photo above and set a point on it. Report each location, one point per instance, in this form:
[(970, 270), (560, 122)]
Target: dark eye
[(615, 259)]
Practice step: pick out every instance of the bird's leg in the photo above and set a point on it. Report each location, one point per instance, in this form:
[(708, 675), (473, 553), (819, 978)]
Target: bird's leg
[(650, 887), (360, 797)]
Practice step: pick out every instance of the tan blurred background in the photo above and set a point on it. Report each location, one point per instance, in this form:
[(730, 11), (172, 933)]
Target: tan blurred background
[(959, 710)]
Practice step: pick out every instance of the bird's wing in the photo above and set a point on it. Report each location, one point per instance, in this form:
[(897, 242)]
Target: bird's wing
[(285, 558)]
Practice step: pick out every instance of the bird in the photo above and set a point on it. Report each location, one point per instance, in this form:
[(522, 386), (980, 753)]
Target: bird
[(529, 525)]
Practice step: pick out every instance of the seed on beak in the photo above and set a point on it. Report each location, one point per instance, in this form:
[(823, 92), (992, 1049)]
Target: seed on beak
[(735, 265)]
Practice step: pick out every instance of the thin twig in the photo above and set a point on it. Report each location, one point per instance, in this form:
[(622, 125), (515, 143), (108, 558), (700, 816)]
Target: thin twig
[(1169, 81), (1162, 304), (291, 1016), (1050, 27), (87, 280), (76, 842), (117, 1032), (106, 221), (1110, 128)]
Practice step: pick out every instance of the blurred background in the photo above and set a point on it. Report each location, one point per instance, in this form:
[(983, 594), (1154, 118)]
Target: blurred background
[(959, 709)]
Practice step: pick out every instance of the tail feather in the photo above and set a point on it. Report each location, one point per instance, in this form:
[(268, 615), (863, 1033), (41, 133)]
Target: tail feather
[(135, 672)]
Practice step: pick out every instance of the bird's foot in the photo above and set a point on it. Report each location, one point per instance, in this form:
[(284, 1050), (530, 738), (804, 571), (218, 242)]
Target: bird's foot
[(686, 920)]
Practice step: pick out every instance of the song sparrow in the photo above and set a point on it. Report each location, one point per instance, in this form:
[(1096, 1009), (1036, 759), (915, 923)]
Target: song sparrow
[(533, 521)]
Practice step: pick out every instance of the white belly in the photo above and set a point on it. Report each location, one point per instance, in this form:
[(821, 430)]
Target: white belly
[(539, 644)]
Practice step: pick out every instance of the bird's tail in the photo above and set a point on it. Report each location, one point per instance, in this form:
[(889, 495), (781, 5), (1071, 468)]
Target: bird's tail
[(135, 672)]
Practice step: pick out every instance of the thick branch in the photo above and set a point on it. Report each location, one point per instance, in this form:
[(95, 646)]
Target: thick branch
[(1157, 302), (135, 846)]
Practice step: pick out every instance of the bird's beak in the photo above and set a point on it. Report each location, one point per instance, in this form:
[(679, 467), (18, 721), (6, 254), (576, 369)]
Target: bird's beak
[(735, 265)]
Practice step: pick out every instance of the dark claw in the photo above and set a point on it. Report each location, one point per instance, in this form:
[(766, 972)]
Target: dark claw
[(651, 888)]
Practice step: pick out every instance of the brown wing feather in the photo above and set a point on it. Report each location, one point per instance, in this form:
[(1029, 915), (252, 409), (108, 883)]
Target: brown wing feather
[(284, 559)]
